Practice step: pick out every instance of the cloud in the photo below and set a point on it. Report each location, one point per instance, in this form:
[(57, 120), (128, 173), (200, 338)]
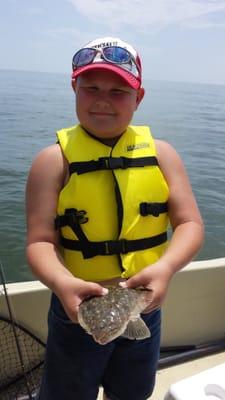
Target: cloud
[(152, 15)]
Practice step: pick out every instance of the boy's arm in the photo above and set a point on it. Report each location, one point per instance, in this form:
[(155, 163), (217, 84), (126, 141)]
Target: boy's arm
[(45, 181), (187, 225)]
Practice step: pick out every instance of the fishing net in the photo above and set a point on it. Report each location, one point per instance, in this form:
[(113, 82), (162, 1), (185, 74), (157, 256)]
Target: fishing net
[(20, 369)]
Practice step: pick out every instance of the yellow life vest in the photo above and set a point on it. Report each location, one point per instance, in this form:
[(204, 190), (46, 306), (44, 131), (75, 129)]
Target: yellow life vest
[(112, 213)]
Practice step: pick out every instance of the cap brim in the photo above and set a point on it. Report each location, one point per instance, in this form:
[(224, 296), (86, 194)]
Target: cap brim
[(126, 75)]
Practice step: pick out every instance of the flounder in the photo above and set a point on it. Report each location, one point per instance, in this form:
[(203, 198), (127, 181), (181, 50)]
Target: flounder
[(114, 314)]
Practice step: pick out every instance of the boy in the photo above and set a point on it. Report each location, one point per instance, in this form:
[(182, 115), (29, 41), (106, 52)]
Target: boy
[(110, 188)]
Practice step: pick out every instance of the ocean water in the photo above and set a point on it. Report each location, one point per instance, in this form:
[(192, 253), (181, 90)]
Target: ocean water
[(34, 105)]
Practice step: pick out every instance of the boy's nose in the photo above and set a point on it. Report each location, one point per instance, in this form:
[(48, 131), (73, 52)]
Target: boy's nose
[(103, 103)]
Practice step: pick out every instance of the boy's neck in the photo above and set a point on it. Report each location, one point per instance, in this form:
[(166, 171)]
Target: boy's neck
[(107, 141)]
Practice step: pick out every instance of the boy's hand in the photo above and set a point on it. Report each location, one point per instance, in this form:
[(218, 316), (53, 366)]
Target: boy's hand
[(156, 278), (72, 291)]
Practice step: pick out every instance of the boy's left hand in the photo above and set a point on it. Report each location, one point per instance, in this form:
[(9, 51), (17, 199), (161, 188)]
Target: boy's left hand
[(156, 278)]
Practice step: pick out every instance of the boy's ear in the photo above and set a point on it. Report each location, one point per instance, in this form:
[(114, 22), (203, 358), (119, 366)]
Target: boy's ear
[(73, 84), (140, 95)]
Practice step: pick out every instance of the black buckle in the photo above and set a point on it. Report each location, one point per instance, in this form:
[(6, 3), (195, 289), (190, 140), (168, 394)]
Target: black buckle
[(112, 163), (76, 216), (116, 163), (150, 209), (115, 247), (103, 162)]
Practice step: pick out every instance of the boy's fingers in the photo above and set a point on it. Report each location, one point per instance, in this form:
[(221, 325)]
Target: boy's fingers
[(130, 283), (96, 289), (135, 281)]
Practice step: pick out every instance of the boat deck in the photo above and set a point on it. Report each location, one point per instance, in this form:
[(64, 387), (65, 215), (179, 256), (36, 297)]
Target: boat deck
[(165, 377)]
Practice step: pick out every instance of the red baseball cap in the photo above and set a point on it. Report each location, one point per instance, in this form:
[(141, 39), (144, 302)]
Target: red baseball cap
[(130, 71)]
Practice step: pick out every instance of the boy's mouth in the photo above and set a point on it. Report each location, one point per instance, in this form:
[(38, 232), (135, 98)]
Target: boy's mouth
[(102, 113)]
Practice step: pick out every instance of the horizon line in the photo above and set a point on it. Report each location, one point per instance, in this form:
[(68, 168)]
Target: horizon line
[(145, 79)]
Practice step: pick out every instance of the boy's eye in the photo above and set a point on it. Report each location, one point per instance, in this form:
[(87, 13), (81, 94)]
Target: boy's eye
[(92, 88), (118, 91)]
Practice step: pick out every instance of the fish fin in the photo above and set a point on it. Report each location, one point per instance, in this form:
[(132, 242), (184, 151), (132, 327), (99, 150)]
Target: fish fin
[(82, 323), (144, 299), (136, 329)]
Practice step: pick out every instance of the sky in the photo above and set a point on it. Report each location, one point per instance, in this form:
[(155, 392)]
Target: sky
[(178, 40)]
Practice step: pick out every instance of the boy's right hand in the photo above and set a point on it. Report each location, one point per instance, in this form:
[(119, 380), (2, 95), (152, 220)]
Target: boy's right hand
[(72, 291)]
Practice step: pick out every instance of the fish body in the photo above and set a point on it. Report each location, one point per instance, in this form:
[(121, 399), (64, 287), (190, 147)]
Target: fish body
[(114, 314)]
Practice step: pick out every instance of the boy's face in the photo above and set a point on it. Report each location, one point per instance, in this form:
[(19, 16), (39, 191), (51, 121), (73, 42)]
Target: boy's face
[(105, 103)]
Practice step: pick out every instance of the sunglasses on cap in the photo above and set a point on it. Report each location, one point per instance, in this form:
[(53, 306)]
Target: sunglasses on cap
[(111, 54)]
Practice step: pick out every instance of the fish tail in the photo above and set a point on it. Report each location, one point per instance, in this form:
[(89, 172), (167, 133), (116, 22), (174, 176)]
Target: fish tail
[(136, 329)]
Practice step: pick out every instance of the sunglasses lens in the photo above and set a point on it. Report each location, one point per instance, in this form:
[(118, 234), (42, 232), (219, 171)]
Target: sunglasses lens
[(83, 57), (116, 54)]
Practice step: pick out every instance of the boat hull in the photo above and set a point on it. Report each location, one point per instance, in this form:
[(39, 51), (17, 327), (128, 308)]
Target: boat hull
[(193, 312)]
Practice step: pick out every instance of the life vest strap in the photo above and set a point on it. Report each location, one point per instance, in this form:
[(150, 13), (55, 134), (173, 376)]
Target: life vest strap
[(110, 163), (72, 217), (154, 209), (91, 249)]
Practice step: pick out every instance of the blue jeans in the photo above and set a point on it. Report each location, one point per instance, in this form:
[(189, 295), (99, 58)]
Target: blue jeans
[(75, 365)]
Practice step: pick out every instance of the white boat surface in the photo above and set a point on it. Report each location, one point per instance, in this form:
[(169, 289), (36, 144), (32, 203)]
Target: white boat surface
[(192, 315)]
